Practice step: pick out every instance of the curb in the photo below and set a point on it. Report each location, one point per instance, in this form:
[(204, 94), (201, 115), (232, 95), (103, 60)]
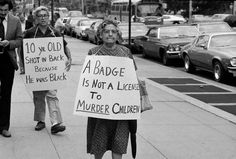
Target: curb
[(195, 102)]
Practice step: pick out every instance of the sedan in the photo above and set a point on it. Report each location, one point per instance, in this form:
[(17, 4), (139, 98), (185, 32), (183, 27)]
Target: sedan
[(137, 29), (70, 24), (210, 27), (82, 25), (173, 19), (213, 52), (219, 17), (165, 41), (91, 33)]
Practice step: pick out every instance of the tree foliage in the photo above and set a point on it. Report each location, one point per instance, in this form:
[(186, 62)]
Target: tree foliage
[(205, 7)]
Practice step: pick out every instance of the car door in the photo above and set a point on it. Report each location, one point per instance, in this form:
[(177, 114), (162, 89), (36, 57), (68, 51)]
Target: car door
[(90, 31), (95, 30), (199, 53), (150, 45)]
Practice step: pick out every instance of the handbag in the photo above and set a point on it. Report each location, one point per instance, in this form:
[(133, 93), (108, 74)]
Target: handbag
[(144, 98)]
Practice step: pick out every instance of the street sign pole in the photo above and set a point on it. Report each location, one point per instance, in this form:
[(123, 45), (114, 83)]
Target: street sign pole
[(129, 21), (190, 12), (82, 4), (52, 13)]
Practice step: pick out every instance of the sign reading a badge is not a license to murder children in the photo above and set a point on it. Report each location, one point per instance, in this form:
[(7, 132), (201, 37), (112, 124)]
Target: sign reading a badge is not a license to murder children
[(44, 61), (108, 89)]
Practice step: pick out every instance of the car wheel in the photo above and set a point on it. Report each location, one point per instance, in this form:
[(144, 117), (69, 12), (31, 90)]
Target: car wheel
[(90, 40), (165, 59), (142, 50), (219, 72), (96, 41), (188, 65), (86, 38), (176, 22), (80, 37)]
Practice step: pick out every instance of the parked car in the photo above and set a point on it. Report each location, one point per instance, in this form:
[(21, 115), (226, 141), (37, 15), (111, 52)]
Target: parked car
[(213, 52), (173, 19), (209, 27), (82, 25), (70, 24), (165, 41), (91, 33), (75, 13), (219, 17), (137, 29), (151, 20), (198, 18), (231, 20)]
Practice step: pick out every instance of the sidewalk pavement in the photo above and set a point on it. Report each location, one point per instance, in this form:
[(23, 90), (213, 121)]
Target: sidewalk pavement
[(174, 129)]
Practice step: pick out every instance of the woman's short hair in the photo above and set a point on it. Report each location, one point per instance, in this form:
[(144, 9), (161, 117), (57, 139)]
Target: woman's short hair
[(9, 2), (40, 8), (102, 26)]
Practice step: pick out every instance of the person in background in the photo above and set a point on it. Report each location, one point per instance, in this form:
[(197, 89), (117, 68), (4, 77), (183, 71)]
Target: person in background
[(159, 10), (43, 30), (59, 24), (104, 134), (11, 38), (30, 21), (28, 24)]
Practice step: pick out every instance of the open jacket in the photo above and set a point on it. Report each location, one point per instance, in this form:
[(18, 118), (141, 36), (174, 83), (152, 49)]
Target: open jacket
[(14, 36)]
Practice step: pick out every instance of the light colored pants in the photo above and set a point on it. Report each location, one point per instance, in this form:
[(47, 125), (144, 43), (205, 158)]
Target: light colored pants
[(53, 106)]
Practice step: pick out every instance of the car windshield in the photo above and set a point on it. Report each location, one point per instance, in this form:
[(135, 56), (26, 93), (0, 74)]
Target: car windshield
[(75, 13), (146, 9), (178, 32), (134, 28), (210, 28), (223, 40)]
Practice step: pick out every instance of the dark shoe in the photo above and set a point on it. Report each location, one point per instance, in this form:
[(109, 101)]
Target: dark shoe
[(6, 133), (40, 125), (57, 128)]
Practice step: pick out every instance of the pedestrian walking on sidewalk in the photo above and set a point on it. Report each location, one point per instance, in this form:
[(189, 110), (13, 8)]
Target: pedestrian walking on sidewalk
[(30, 20), (59, 24), (11, 38), (41, 30), (104, 134)]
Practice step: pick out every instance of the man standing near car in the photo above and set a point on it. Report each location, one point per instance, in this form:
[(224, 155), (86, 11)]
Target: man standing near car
[(11, 38), (44, 30)]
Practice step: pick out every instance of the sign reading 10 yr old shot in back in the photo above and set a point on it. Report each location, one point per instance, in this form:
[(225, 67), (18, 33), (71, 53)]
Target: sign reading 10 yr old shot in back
[(108, 89), (44, 61)]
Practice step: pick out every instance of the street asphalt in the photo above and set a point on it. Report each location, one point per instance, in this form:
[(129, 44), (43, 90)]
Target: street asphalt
[(178, 127)]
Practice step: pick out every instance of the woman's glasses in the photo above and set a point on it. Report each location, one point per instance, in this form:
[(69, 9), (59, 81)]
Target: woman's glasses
[(112, 31), (43, 15)]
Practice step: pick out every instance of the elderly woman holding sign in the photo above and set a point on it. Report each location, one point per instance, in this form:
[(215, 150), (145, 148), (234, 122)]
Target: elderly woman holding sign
[(44, 30), (106, 134)]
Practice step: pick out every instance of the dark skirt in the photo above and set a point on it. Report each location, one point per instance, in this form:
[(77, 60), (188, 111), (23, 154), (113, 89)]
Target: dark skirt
[(103, 135)]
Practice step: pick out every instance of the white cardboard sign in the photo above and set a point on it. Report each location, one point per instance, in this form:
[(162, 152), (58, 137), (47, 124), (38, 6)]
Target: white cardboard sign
[(108, 88), (44, 61)]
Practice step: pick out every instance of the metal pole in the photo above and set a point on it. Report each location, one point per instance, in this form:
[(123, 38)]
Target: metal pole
[(52, 12), (190, 12), (234, 7), (129, 22), (82, 3)]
